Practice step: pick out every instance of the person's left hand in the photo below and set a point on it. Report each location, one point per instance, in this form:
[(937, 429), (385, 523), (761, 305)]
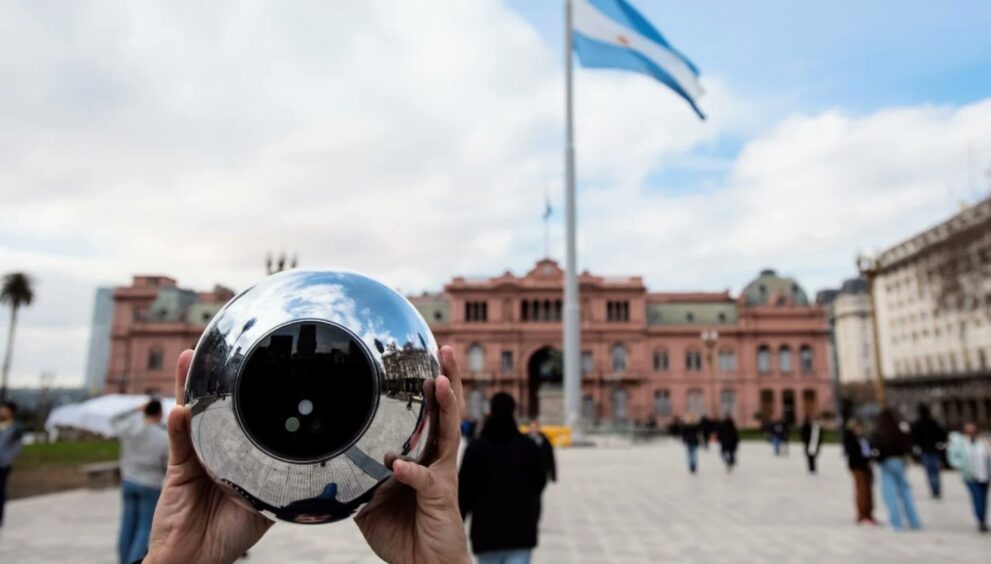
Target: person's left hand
[(414, 516)]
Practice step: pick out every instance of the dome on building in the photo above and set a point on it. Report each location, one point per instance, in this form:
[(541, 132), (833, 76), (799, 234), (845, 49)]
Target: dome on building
[(771, 289)]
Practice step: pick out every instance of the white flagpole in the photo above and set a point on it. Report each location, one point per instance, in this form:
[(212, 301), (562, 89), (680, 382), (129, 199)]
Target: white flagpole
[(572, 312)]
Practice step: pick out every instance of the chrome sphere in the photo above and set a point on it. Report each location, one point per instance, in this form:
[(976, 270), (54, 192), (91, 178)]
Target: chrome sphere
[(303, 386)]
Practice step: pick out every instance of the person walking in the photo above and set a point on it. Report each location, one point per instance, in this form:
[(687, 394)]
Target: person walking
[(690, 436), (11, 436), (971, 455), (929, 438), (729, 440), (543, 443), (778, 440), (705, 427), (144, 456), (812, 440), (501, 480), (858, 458), (891, 445)]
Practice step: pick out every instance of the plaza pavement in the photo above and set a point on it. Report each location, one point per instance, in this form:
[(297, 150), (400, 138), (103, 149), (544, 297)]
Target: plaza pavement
[(614, 503)]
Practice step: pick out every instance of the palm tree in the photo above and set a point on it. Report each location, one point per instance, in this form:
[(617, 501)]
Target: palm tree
[(16, 291)]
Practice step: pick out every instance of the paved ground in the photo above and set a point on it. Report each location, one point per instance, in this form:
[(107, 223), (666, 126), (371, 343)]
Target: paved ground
[(615, 503)]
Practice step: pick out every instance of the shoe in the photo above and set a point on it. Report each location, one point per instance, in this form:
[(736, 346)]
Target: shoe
[(982, 528)]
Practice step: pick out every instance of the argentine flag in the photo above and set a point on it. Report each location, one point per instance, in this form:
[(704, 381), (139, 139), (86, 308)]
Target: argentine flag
[(612, 34)]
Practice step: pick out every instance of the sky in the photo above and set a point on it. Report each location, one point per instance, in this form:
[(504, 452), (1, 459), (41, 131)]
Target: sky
[(416, 141)]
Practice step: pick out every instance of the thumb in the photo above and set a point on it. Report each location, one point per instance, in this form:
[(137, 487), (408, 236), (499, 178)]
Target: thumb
[(413, 475), (180, 441)]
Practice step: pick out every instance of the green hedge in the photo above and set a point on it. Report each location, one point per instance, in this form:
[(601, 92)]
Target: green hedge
[(69, 453)]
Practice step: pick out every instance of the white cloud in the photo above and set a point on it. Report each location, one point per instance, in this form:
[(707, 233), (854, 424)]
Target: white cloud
[(412, 141)]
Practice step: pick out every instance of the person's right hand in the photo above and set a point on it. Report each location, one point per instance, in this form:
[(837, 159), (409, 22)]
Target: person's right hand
[(195, 521)]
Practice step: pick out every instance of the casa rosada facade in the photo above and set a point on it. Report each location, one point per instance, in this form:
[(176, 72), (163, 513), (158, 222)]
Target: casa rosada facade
[(759, 356)]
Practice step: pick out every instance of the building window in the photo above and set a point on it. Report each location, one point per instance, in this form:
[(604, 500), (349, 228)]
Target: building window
[(476, 358), (506, 361), (693, 361), (805, 358), (662, 403), (661, 361), (784, 359), (541, 310), (156, 358), (587, 362), (727, 403), (525, 310), (619, 358), (763, 359), (617, 311), (982, 359), (476, 312), (727, 360), (695, 402)]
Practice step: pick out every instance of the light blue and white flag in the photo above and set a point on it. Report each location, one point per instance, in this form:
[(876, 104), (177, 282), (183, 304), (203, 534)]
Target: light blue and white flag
[(612, 34)]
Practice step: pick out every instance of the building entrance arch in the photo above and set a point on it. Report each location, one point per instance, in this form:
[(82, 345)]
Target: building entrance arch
[(545, 378)]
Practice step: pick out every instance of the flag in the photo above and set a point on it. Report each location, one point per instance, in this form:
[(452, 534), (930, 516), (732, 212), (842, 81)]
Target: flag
[(547, 210), (612, 34)]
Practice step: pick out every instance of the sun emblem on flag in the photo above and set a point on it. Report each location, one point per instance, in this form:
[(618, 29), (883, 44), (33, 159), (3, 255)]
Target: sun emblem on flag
[(623, 40)]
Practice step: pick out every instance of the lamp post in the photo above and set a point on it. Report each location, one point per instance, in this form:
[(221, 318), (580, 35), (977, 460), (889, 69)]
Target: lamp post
[(709, 338), (868, 268)]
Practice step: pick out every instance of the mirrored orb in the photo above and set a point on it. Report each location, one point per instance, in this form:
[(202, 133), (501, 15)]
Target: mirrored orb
[(303, 386)]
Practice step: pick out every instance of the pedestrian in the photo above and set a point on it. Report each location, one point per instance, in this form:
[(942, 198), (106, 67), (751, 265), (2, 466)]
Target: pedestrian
[(729, 440), (144, 455), (776, 430), (858, 458), (971, 455), (812, 440), (891, 445), (501, 480), (690, 436), (705, 429), (929, 438), (546, 449), (11, 436)]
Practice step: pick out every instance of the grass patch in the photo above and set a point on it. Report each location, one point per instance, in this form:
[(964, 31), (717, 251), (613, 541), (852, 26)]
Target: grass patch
[(69, 453)]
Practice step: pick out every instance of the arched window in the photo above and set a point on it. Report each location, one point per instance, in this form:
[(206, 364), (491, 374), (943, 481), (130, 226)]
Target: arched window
[(727, 403), (763, 359), (805, 357), (727, 360), (662, 403), (476, 358), (695, 402), (619, 358), (693, 360), (156, 358), (525, 310), (662, 362), (557, 310), (784, 359)]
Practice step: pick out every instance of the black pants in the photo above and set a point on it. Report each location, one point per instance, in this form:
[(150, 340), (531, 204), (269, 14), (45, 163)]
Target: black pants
[(812, 463), (4, 473)]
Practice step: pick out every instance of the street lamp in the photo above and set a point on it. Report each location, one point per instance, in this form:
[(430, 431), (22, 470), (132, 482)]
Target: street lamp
[(709, 338), (868, 268)]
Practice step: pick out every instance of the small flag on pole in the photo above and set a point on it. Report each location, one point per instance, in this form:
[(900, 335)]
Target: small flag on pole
[(547, 209), (612, 34)]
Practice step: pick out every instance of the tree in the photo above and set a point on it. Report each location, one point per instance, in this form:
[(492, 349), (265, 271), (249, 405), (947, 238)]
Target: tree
[(15, 291)]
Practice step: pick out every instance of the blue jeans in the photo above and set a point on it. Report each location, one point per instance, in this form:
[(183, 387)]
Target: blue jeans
[(776, 443), (693, 457), (4, 474), (137, 509), (518, 556), (979, 497), (897, 494), (932, 462)]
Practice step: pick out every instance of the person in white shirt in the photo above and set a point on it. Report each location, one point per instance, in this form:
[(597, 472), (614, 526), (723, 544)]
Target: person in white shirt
[(971, 455)]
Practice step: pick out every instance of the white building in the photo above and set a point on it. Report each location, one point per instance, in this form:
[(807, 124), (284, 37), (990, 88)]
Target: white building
[(933, 299), (854, 337)]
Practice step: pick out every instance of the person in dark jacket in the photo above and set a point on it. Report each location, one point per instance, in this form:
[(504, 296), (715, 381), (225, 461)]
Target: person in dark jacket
[(891, 446), (929, 440), (11, 435), (812, 441), (858, 458), (546, 449), (501, 479), (729, 440), (690, 436), (706, 428)]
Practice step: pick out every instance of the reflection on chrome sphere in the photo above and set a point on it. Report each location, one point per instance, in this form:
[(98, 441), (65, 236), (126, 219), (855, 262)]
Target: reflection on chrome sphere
[(303, 385)]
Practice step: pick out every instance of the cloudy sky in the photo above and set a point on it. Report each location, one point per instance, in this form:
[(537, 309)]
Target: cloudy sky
[(417, 140)]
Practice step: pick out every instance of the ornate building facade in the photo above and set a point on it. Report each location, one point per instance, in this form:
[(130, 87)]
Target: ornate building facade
[(153, 321), (759, 356)]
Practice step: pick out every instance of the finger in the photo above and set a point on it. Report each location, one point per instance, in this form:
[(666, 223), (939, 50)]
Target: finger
[(450, 421), (180, 441), (413, 475), (181, 370), (450, 367)]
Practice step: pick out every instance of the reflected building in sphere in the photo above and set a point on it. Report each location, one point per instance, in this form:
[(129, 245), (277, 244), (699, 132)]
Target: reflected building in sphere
[(643, 353)]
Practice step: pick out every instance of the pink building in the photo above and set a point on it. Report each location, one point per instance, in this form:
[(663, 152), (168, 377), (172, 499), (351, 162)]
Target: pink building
[(153, 321), (757, 356)]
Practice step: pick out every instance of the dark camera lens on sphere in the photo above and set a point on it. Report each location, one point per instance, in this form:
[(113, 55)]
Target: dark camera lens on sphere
[(306, 391)]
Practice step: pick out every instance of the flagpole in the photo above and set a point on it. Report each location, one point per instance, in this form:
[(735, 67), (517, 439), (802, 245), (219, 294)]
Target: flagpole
[(572, 313)]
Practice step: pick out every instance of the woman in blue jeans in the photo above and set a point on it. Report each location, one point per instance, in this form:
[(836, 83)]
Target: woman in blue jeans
[(891, 447)]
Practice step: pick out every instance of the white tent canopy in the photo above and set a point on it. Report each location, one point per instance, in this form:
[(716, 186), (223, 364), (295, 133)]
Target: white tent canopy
[(95, 415)]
